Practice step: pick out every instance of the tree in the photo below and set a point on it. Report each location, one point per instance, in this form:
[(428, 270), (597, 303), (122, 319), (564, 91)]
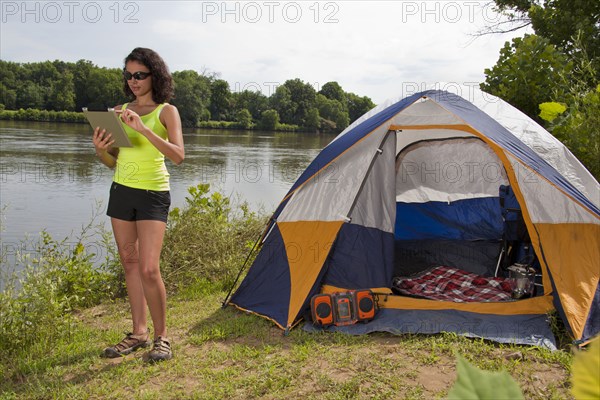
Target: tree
[(313, 120), (244, 118), (269, 120), (303, 98), (58, 85), (30, 96), (333, 111), (574, 116), (192, 96), (558, 68), (8, 97), (358, 105), (81, 79), (559, 21), (253, 101), (527, 73), (9, 84), (281, 101), (104, 88), (220, 100), (62, 96), (579, 128), (333, 91)]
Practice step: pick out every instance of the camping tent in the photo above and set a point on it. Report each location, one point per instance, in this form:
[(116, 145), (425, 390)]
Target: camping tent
[(415, 183)]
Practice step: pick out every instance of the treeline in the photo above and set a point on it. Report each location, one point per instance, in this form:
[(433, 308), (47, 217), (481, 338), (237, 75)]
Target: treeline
[(202, 100)]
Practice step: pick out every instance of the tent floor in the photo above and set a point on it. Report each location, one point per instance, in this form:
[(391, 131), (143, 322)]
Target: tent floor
[(515, 329)]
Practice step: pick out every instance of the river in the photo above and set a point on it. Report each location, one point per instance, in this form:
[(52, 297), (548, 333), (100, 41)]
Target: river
[(51, 180)]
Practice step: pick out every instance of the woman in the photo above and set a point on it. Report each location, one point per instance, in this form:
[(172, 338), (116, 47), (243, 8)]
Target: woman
[(139, 195)]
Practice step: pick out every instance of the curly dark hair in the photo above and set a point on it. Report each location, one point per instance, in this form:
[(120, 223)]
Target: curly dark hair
[(162, 81)]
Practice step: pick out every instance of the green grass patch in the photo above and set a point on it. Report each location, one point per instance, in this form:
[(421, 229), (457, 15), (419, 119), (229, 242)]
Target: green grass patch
[(224, 353)]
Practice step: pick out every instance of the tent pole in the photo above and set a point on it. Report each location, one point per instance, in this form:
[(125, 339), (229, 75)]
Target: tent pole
[(262, 236), (362, 185)]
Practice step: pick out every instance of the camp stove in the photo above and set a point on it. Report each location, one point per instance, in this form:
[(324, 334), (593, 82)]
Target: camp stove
[(522, 280)]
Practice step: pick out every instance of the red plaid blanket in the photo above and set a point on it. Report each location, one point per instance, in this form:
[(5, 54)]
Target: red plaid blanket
[(452, 284)]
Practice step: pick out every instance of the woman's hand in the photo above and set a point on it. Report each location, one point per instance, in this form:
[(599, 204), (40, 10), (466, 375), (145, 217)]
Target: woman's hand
[(102, 141), (133, 120)]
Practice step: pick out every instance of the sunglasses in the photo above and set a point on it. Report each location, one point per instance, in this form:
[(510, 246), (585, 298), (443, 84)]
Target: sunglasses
[(138, 76)]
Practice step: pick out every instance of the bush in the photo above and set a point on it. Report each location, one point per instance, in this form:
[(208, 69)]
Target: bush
[(287, 128), (269, 120), (208, 239), (37, 302), (32, 114), (244, 118)]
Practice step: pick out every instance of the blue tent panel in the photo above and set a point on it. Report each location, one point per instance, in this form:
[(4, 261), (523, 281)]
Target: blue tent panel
[(266, 288), (517, 329), (592, 325), (361, 258), (470, 219)]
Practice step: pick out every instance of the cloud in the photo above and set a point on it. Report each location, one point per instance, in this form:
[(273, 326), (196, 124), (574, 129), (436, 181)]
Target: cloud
[(369, 47)]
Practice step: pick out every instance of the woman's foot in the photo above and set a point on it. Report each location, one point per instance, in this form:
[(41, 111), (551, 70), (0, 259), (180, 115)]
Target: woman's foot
[(128, 345), (161, 350)]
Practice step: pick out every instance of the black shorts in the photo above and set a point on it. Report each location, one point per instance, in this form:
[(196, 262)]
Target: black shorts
[(131, 204)]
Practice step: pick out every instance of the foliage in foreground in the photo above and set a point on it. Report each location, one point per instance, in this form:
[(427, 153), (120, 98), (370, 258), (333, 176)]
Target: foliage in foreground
[(473, 383), (586, 372)]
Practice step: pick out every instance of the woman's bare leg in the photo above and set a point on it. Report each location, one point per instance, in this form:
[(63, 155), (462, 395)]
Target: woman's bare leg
[(126, 236), (150, 240)]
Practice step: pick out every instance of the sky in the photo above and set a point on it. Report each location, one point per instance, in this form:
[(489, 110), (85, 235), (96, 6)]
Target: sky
[(379, 49)]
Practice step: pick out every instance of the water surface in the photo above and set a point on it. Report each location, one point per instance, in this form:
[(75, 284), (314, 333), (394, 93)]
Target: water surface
[(51, 180)]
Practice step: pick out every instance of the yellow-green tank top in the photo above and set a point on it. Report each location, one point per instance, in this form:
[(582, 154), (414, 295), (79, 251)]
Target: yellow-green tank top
[(143, 166)]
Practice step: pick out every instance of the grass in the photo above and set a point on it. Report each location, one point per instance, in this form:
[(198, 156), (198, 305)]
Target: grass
[(54, 328), (224, 353)]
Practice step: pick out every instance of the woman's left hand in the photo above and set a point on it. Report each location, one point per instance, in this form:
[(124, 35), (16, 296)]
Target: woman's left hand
[(133, 120)]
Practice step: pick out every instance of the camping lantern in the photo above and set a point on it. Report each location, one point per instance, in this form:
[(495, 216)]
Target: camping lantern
[(522, 279)]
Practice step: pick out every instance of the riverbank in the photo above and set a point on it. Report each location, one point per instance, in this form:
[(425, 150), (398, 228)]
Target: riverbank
[(35, 115)]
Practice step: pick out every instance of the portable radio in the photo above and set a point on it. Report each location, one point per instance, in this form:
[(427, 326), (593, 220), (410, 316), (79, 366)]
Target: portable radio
[(322, 309), (343, 308), (365, 305), (344, 313)]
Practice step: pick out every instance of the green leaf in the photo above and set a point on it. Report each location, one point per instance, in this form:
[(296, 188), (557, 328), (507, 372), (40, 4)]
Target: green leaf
[(586, 372), (473, 383), (550, 110)]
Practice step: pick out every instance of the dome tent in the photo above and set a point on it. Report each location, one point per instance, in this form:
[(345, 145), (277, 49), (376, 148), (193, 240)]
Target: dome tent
[(424, 172)]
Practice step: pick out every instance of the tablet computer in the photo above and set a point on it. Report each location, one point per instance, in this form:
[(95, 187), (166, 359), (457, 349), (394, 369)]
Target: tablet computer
[(110, 121)]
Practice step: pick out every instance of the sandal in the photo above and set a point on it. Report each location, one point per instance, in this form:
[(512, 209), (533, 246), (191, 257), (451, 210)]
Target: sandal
[(161, 350), (128, 345)]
